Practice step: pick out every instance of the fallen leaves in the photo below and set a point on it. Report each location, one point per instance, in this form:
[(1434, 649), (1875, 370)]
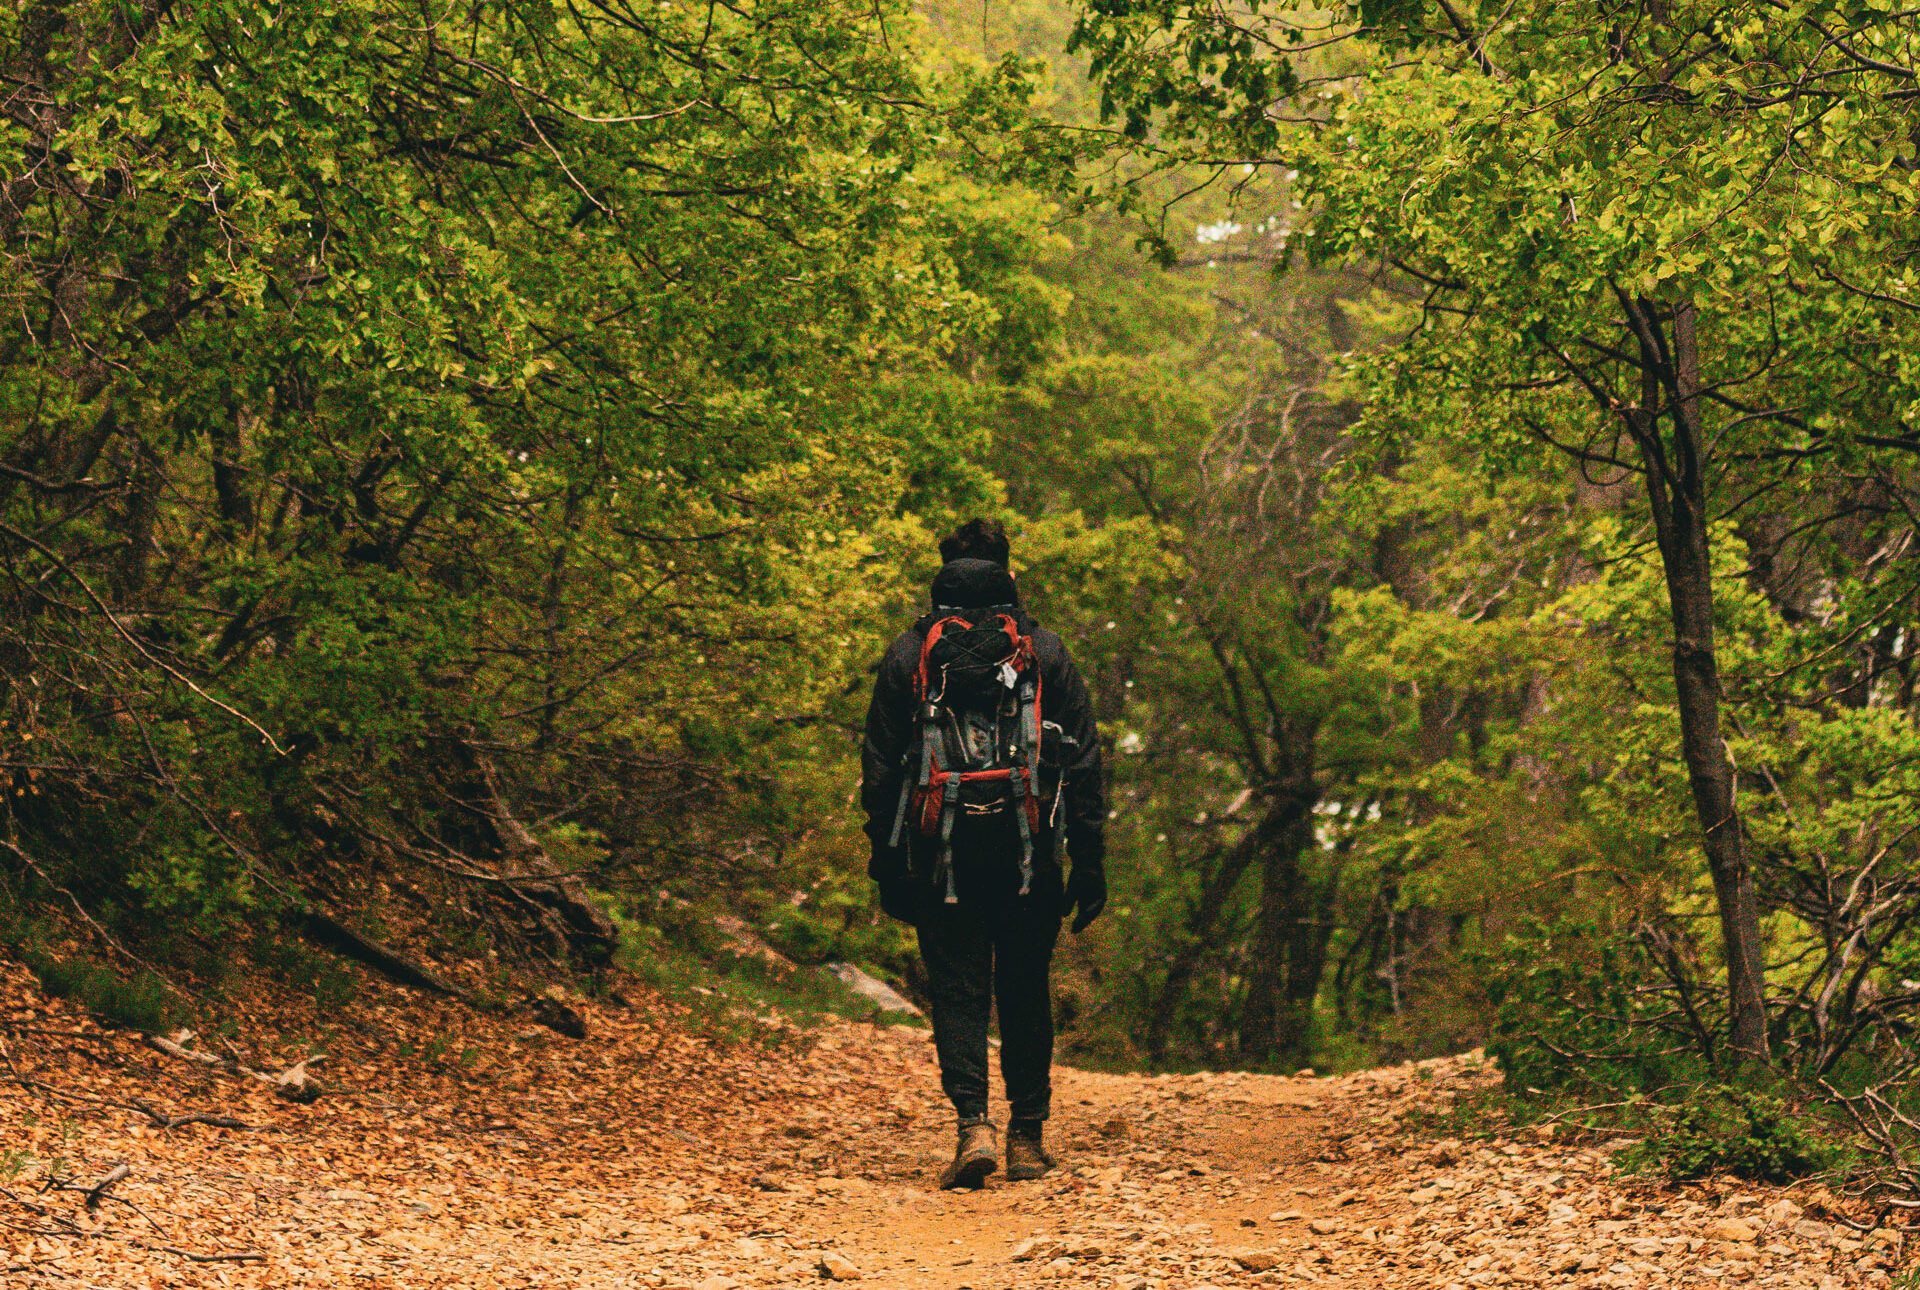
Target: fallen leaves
[(459, 1149)]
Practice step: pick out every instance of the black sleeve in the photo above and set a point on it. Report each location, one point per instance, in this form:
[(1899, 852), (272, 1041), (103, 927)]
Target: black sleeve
[(889, 731), (1068, 705)]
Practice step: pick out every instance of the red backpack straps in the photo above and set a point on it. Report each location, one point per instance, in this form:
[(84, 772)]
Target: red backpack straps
[(930, 769), (934, 633)]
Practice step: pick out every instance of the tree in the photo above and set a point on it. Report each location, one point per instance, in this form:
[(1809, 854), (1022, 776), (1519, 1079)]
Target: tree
[(1665, 241), (417, 422)]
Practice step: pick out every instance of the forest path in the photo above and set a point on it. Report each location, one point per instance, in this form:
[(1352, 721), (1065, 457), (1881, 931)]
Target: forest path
[(1219, 1180), (461, 1150)]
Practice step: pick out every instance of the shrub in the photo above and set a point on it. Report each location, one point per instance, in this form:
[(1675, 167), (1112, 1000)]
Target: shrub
[(141, 1002), (1577, 1006), (331, 983), (1726, 1129)]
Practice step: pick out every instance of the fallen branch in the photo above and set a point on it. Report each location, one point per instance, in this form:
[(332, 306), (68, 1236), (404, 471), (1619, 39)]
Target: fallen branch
[(66, 1226), (161, 1120), (165, 1121), (88, 1035), (97, 1189), (238, 1256), (559, 891), (292, 1083), (336, 935)]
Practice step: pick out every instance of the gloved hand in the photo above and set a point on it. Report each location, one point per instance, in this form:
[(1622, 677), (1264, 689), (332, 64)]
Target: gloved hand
[(898, 899), (1086, 891), (887, 862), (888, 867)]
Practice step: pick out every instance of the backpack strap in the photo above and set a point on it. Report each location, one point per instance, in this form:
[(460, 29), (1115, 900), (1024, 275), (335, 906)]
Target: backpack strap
[(949, 807), (934, 633), (923, 713)]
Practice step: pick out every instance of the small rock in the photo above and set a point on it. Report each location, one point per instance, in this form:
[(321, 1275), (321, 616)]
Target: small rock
[(294, 1084), (1257, 1260), (1035, 1250), (1325, 1226), (1444, 1153), (1115, 1127), (1731, 1229), (717, 1282), (838, 1267), (552, 1011), (1780, 1213), (767, 1182)]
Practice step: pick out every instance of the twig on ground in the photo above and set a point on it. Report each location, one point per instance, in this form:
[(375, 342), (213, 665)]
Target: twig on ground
[(101, 1185), (237, 1256), (161, 1119)]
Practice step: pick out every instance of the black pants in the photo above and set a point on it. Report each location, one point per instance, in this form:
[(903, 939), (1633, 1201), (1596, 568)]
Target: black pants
[(983, 952)]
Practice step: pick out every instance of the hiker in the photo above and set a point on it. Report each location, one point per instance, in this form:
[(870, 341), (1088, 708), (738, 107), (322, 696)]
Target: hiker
[(980, 751)]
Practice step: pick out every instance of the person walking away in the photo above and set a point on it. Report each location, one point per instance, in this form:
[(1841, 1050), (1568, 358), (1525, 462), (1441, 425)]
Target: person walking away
[(980, 752)]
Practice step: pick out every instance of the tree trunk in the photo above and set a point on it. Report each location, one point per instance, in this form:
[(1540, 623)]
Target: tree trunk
[(1294, 929), (1264, 835), (1290, 937), (1676, 488)]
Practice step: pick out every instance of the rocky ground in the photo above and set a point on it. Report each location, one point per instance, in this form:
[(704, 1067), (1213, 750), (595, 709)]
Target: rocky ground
[(454, 1150)]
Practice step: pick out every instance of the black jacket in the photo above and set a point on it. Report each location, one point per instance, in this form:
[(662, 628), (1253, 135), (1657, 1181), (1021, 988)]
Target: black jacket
[(973, 584)]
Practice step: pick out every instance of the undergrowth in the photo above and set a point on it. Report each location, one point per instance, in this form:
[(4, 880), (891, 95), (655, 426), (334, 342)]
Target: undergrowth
[(736, 997), (138, 1000), (1585, 1037)]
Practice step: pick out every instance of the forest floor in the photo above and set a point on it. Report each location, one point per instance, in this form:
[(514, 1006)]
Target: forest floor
[(452, 1148)]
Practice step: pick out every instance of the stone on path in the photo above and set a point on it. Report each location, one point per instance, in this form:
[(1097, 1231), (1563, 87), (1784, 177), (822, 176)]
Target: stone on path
[(838, 1267)]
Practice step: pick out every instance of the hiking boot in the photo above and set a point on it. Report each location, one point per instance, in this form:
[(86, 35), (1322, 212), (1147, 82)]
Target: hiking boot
[(973, 1158), (1026, 1158)]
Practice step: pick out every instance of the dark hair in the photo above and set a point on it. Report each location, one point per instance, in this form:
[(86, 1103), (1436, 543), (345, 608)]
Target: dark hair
[(977, 539)]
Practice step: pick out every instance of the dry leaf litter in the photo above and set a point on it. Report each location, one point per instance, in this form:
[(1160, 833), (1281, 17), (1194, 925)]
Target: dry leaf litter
[(448, 1148)]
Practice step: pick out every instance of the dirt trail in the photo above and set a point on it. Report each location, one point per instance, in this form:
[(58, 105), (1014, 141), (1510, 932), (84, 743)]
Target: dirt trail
[(460, 1151)]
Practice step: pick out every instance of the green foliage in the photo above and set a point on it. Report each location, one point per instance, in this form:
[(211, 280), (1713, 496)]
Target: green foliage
[(731, 994), (1732, 1130), (141, 1001), (137, 1001), (409, 409), (1576, 1009)]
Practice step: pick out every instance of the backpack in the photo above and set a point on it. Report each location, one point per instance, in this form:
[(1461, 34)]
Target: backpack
[(977, 726)]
